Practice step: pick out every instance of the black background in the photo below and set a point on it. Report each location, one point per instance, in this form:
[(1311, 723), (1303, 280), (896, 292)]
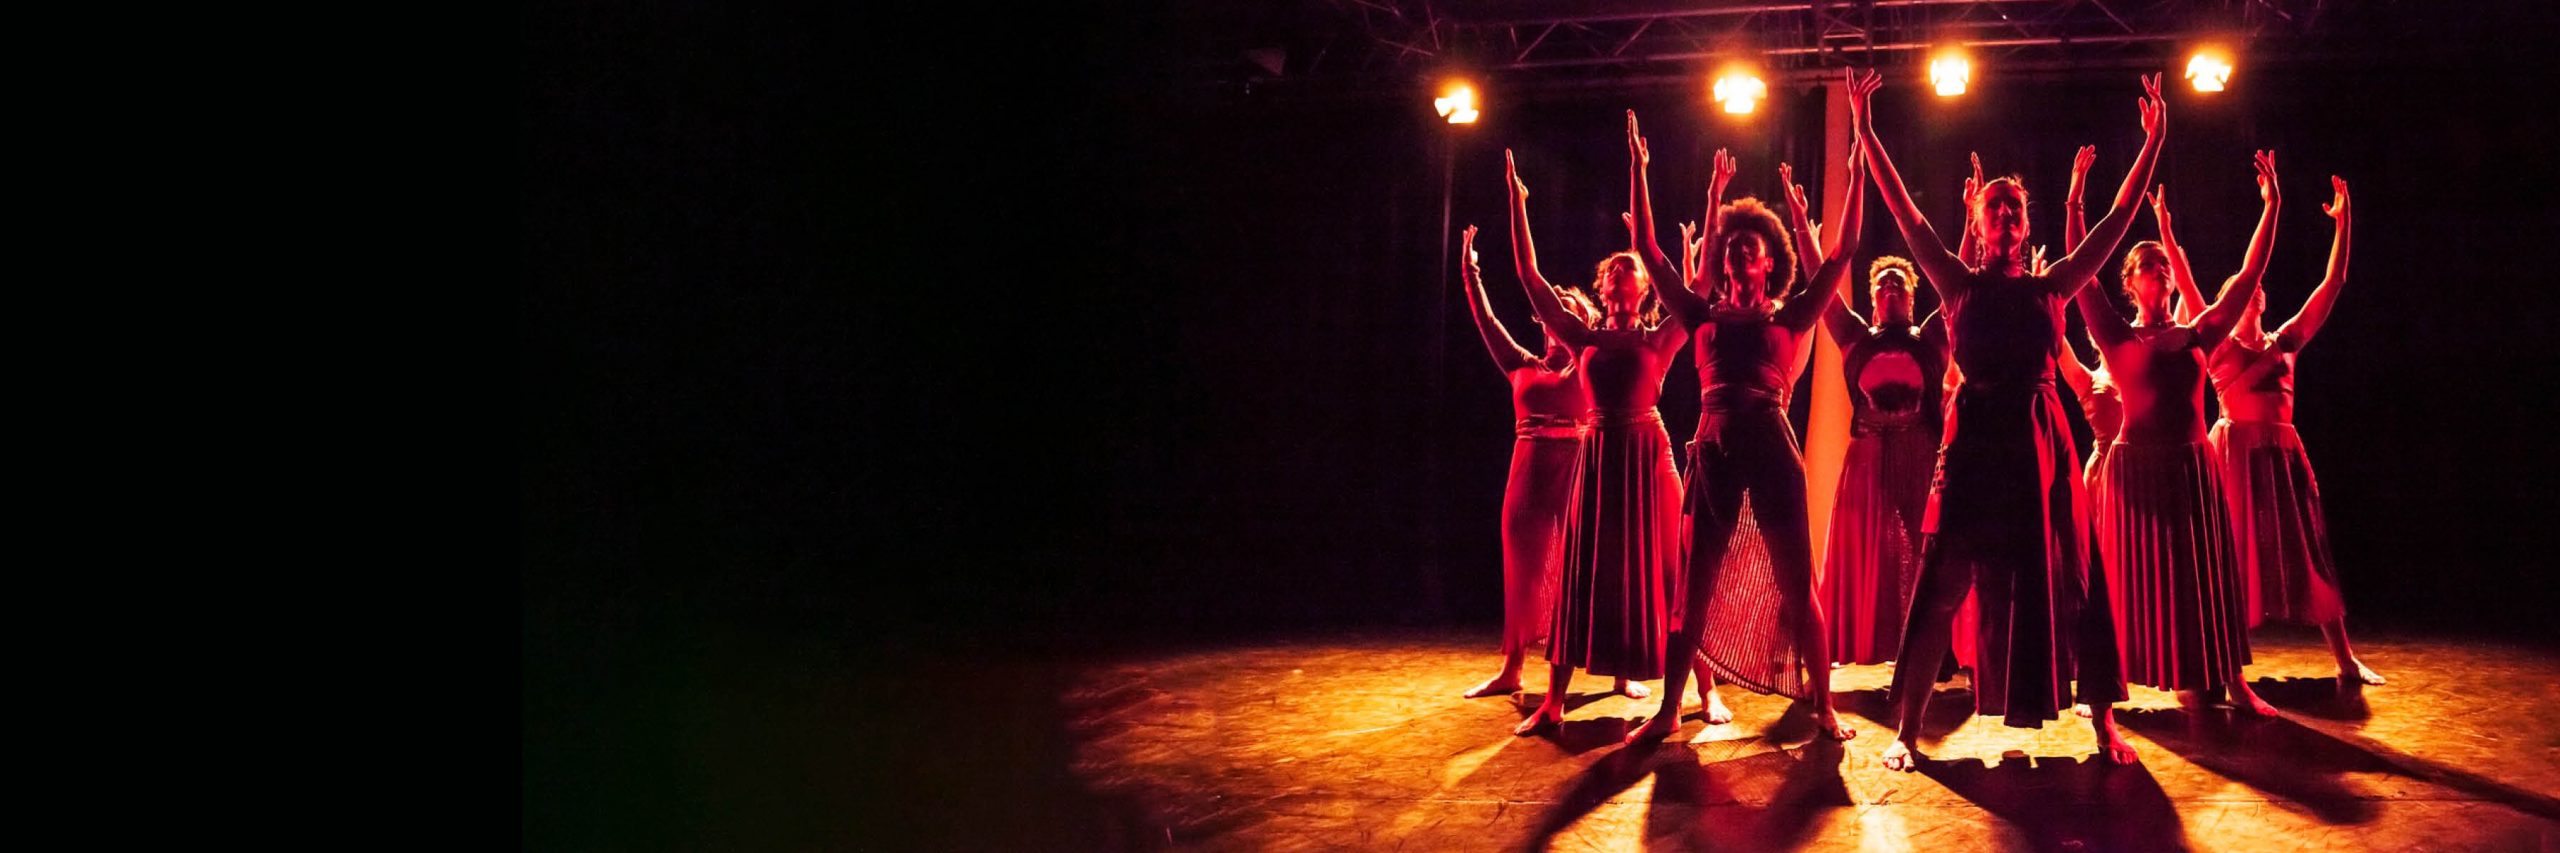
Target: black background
[(1029, 334)]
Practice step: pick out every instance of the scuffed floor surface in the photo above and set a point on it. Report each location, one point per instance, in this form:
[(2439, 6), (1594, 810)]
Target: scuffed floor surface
[(1362, 742)]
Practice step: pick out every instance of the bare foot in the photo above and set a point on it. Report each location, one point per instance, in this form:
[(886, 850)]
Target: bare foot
[(2081, 709), (1500, 685), (1663, 725), (1717, 713), (2112, 748), (1633, 689), (2191, 700), (2363, 675), (1540, 721), (1902, 756), (2246, 701), (1829, 722)]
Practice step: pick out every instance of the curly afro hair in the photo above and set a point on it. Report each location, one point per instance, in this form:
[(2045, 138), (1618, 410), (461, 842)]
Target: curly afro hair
[(1748, 216)]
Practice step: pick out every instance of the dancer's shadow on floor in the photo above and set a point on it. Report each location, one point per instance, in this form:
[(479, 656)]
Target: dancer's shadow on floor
[(2069, 804), (1579, 736), (1765, 801), (2315, 697), (1948, 711), (2304, 765)]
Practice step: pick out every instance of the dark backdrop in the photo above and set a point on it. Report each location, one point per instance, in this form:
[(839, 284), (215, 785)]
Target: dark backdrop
[(1041, 333)]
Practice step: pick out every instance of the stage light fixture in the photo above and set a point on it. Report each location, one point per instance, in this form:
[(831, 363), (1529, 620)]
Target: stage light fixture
[(1949, 71), (1457, 104), (2209, 70), (1740, 92)]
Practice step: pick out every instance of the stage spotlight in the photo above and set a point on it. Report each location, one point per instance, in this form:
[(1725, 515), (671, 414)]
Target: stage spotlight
[(2209, 70), (1458, 105), (1948, 72), (1740, 92)]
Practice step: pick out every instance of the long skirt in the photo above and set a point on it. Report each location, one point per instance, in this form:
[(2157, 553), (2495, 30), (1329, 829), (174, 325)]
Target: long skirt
[(1752, 548), (1872, 559), (1545, 464), (2277, 523), (2006, 519), (2180, 597), (1623, 541)]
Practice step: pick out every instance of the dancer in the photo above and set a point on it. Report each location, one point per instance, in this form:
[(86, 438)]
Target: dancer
[(1766, 622), (1608, 611), (2004, 514), (2275, 501), (2163, 521), (1552, 411), (1894, 368)]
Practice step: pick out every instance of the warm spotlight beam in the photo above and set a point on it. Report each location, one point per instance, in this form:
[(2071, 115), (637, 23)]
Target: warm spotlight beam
[(1740, 93), (2209, 70), (1458, 105), (1949, 73)]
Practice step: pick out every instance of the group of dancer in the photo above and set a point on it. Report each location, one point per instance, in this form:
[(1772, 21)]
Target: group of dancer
[(1962, 490)]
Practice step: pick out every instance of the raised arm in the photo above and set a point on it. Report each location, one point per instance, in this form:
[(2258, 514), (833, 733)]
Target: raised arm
[(1800, 225), (1709, 279), (2182, 275), (2106, 326), (1969, 247), (2075, 223), (2315, 311), (1942, 270), (1805, 306), (2074, 374), (2216, 322), (1643, 240), (2081, 264), (1507, 352), (1524, 257)]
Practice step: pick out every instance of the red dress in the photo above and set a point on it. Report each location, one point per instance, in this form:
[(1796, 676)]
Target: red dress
[(2276, 520), (1873, 555), (1746, 485), (2005, 513), (1553, 413), (1623, 539), (2163, 522)]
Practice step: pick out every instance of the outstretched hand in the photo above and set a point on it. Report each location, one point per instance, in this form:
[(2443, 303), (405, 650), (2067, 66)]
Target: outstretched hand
[(1467, 240), (1636, 147), (2337, 206), (1722, 177), (1691, 246), (1862, 86), (1973, 185), (1511, 172), (2155, 109), (1795, 192), (2159, 199), (2081, 162), (2267, 190)]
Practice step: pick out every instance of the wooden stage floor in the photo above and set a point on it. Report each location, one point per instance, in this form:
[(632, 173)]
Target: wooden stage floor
[(1362, 742)]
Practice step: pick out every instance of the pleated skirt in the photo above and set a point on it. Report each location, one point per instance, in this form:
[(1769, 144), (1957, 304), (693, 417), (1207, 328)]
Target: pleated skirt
[(2277, 523), (1871, 559), (1536, 503), (2165, 538), (1623, 541)]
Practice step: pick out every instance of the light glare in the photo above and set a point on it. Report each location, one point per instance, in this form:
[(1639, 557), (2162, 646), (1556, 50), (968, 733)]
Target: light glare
[(1740, 93), (2210, 71)]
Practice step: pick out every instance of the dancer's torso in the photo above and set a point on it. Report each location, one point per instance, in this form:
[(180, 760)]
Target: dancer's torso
[(1622, 371), (2005, 332), (1549, 395), (2160, 372), (2256, 384), (1894, 376)]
